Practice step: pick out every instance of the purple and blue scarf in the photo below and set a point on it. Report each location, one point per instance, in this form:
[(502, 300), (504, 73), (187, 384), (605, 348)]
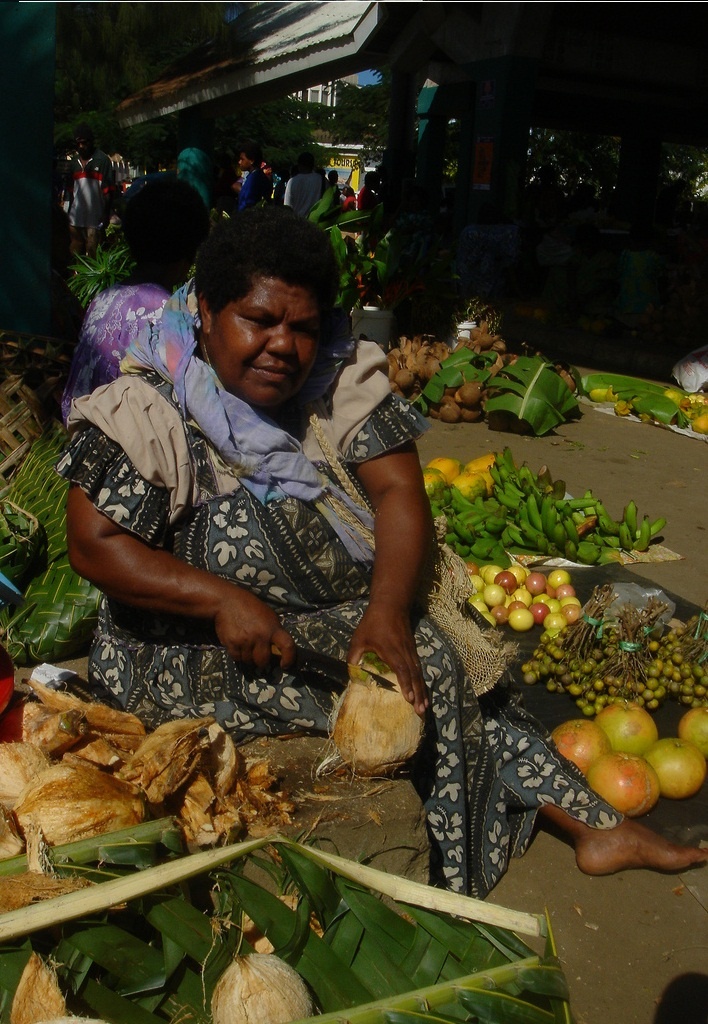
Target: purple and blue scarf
[(270, 462)]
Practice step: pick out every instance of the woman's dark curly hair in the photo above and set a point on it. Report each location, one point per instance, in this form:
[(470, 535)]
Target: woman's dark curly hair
[(265, 241)]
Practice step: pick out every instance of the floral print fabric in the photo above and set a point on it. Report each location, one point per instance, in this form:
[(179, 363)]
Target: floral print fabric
[(113, 320), (484, 766)]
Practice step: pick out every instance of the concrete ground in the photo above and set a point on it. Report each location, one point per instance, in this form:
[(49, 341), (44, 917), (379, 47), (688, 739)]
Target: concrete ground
[(634, 945)]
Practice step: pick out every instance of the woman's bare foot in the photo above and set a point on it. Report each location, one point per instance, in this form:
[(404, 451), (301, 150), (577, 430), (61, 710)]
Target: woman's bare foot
[(629, 845)]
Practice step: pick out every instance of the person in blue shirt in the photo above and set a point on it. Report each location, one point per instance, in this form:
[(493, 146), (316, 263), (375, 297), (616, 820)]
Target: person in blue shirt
[(256, 186)]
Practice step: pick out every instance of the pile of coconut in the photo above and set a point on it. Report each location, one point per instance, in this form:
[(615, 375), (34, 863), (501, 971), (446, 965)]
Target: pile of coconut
[(82, 769), (413, 362)]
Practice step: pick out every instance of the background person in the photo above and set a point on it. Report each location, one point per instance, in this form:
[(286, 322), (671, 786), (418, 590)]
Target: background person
[(333, 183), (256, 187), (163, 225), (204, 507), (304, 188), (92, 188), (367, 196)]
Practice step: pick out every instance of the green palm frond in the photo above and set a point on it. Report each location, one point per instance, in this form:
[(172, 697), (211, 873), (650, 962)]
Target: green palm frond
[(149, 946)]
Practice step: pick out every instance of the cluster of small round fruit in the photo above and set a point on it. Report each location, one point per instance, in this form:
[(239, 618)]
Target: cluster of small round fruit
[(669, 674), (627, 764), (524, 599)]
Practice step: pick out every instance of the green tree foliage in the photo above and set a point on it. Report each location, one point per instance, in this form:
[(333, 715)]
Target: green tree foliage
[(576, 157), (106, 51), (361, 116)]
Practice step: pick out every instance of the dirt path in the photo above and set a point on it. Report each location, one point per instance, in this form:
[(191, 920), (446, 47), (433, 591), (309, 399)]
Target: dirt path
[(629, 940)]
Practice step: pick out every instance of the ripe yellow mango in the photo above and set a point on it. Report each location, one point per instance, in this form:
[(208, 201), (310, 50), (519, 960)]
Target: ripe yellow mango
[(473, 485), (480, 464), (450, 468)]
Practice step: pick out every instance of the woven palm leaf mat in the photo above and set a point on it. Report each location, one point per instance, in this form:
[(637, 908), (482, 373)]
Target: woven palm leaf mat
[(685, 821)]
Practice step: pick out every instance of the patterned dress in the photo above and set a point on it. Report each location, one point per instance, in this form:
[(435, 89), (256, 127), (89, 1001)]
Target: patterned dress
[(484, 766)]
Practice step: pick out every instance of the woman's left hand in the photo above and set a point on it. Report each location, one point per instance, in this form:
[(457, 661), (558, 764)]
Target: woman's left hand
[(403, 533), (389, 635)]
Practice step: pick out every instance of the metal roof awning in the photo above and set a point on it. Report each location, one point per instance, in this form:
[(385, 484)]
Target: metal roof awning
[(274, 48)]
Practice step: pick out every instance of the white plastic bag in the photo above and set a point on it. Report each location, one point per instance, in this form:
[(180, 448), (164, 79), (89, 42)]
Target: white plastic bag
[(691, 372), (638, 595)]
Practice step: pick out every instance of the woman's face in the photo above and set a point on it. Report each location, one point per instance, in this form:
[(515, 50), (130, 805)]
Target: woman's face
[(262, 346)]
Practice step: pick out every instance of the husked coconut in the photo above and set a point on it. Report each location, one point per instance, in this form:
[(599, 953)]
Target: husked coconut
[(69, 802), (20, 763), (375, 730), (38, 995), (260, 989), (469, 394), (10, 843), (450, 411), (53, 731)]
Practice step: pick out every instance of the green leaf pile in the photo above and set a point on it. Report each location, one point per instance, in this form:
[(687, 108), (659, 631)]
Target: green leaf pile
[(534, 392), (420, 955)]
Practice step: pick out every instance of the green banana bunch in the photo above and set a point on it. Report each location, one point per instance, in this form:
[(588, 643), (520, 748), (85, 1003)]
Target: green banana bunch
[(529, 513)]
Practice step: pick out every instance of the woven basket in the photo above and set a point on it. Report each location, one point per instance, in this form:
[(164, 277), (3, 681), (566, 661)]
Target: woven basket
[(24, 413), (34, 356), (22, 542)]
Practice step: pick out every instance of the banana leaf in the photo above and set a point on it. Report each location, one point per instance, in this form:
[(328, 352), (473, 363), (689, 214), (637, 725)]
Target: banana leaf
[(647, 398), (461, 366), (531, 390), (149, 947), (623, 386)]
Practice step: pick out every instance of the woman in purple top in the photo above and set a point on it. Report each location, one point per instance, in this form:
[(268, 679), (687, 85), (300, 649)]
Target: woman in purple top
[(164, 224)]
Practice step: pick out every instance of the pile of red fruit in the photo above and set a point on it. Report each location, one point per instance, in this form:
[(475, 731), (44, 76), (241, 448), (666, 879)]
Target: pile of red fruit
[(524, 599)]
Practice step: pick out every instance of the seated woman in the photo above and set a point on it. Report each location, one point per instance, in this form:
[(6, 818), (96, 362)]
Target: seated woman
[(163, 225), (205, 509)]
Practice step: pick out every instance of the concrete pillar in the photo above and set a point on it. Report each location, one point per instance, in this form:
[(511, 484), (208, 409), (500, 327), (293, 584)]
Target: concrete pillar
[(499, 126), (27, 58), (637, 177)]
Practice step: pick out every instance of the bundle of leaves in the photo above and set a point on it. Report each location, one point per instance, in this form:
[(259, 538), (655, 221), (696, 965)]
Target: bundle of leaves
[(530, 396), (150, 946), (112, 264)]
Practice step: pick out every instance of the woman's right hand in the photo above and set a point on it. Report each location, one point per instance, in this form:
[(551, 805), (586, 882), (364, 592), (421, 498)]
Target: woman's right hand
[(249, 630), (127, 569)]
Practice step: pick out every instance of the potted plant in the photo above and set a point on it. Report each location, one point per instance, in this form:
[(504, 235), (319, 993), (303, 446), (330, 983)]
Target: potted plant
[(382, 272)]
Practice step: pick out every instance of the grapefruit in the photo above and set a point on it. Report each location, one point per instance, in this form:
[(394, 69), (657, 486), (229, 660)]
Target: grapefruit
[(629, 727), (626, 781), (582, 741), (693, 726), (679, 765)]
